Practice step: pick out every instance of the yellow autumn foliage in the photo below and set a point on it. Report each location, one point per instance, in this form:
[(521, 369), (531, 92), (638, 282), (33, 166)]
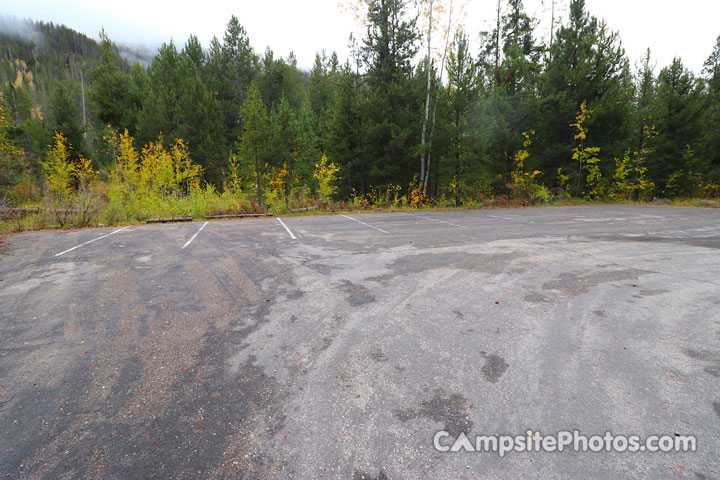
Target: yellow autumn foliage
[(326, 175), (141, 183), (586, 157), (69, 196)]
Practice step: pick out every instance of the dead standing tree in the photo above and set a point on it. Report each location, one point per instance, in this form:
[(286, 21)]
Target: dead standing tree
[(433, 9)]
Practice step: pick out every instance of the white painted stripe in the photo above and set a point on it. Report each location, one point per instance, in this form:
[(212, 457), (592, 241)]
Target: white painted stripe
[(367, 225), (91, 241), (511, 218), (286, 228), (193, 237), (441, 221)]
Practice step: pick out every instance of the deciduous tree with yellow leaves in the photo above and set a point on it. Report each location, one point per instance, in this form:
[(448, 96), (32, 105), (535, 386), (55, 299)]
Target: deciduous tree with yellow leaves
[(586, 157)]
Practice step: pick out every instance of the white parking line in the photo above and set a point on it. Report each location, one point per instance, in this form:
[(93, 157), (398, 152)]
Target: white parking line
[(193, 237), (286, 228), (510, 218), (441, 221), (367, 225), (91, 241), (430, 218)]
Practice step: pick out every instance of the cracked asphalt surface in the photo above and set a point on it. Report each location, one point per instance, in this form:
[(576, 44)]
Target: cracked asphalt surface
[(341, 353)]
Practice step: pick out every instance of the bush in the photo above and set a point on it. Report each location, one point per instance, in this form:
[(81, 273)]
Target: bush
[(525, 186), (69, 192)]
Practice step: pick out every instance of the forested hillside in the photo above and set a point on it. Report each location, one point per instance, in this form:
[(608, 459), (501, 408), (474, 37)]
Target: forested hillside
[(498, 113)]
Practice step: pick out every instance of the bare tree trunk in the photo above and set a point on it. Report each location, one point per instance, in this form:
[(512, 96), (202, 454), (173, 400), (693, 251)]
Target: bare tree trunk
[(552, 25), (257, 177), (437, 99), (82, 88), (427, 96), (15, 109), (497, 41)]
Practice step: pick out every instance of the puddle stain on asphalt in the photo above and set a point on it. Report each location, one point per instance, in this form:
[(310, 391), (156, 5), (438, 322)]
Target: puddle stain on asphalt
[(494, 368), (451, 411)]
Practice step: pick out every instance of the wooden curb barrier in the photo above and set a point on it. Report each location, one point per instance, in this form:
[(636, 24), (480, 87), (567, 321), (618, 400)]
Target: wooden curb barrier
[(12, 212), (169, 220), (238, 215)]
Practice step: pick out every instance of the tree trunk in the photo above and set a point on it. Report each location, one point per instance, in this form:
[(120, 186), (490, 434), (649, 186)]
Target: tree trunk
[(82, 88), (427, 96), (437, 99), (497, 43), (257, 177), (552, 26)]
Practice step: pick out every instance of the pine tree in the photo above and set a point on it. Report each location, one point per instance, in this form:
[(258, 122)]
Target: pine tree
[(282, 148), (390, 109), (230, 68), (506, 111), (280, 78), (65, 119), (178, 104), (319, 87), (462, 90), (12, 165), (677, 111), (239, 60), (520, 64), (110, 91), (307, 149), (711, 138), (253, 143), (587, 64), (343, 136)]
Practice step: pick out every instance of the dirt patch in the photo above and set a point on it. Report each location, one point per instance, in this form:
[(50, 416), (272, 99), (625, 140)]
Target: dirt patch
[(575, 283), (494, 368), (418, 263), (357, 295), (451, 411)]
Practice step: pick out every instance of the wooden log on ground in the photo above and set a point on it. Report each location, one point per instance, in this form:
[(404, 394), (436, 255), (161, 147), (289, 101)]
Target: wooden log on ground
[(22, 210), (14, 212), (304, 209), (238, 215), (169, 220)]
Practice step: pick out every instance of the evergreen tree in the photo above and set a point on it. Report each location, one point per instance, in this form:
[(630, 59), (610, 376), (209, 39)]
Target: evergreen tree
[(136, 92), (462, 90), (194, 52), (253, 143), (645, 91), (178, 104), (307, 150), (12, 164), (587, 64), (643, 123), (343, 136), (506, 111), (322, 82), (161, 111), (677, 112), (110, 92), (711, 137), (230, 68), (390, 111), (280, 78), (283, 144), (65, 119), (239, 61)]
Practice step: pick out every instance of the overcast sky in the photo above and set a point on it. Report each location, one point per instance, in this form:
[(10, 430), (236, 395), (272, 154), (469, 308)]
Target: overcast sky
[(687, 29)]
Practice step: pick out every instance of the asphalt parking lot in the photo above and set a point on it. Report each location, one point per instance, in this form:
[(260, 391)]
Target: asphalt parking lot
[(337, 346)]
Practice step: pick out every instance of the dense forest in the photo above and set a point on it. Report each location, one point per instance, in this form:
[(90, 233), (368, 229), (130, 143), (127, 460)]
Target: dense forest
[(496, 114)]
